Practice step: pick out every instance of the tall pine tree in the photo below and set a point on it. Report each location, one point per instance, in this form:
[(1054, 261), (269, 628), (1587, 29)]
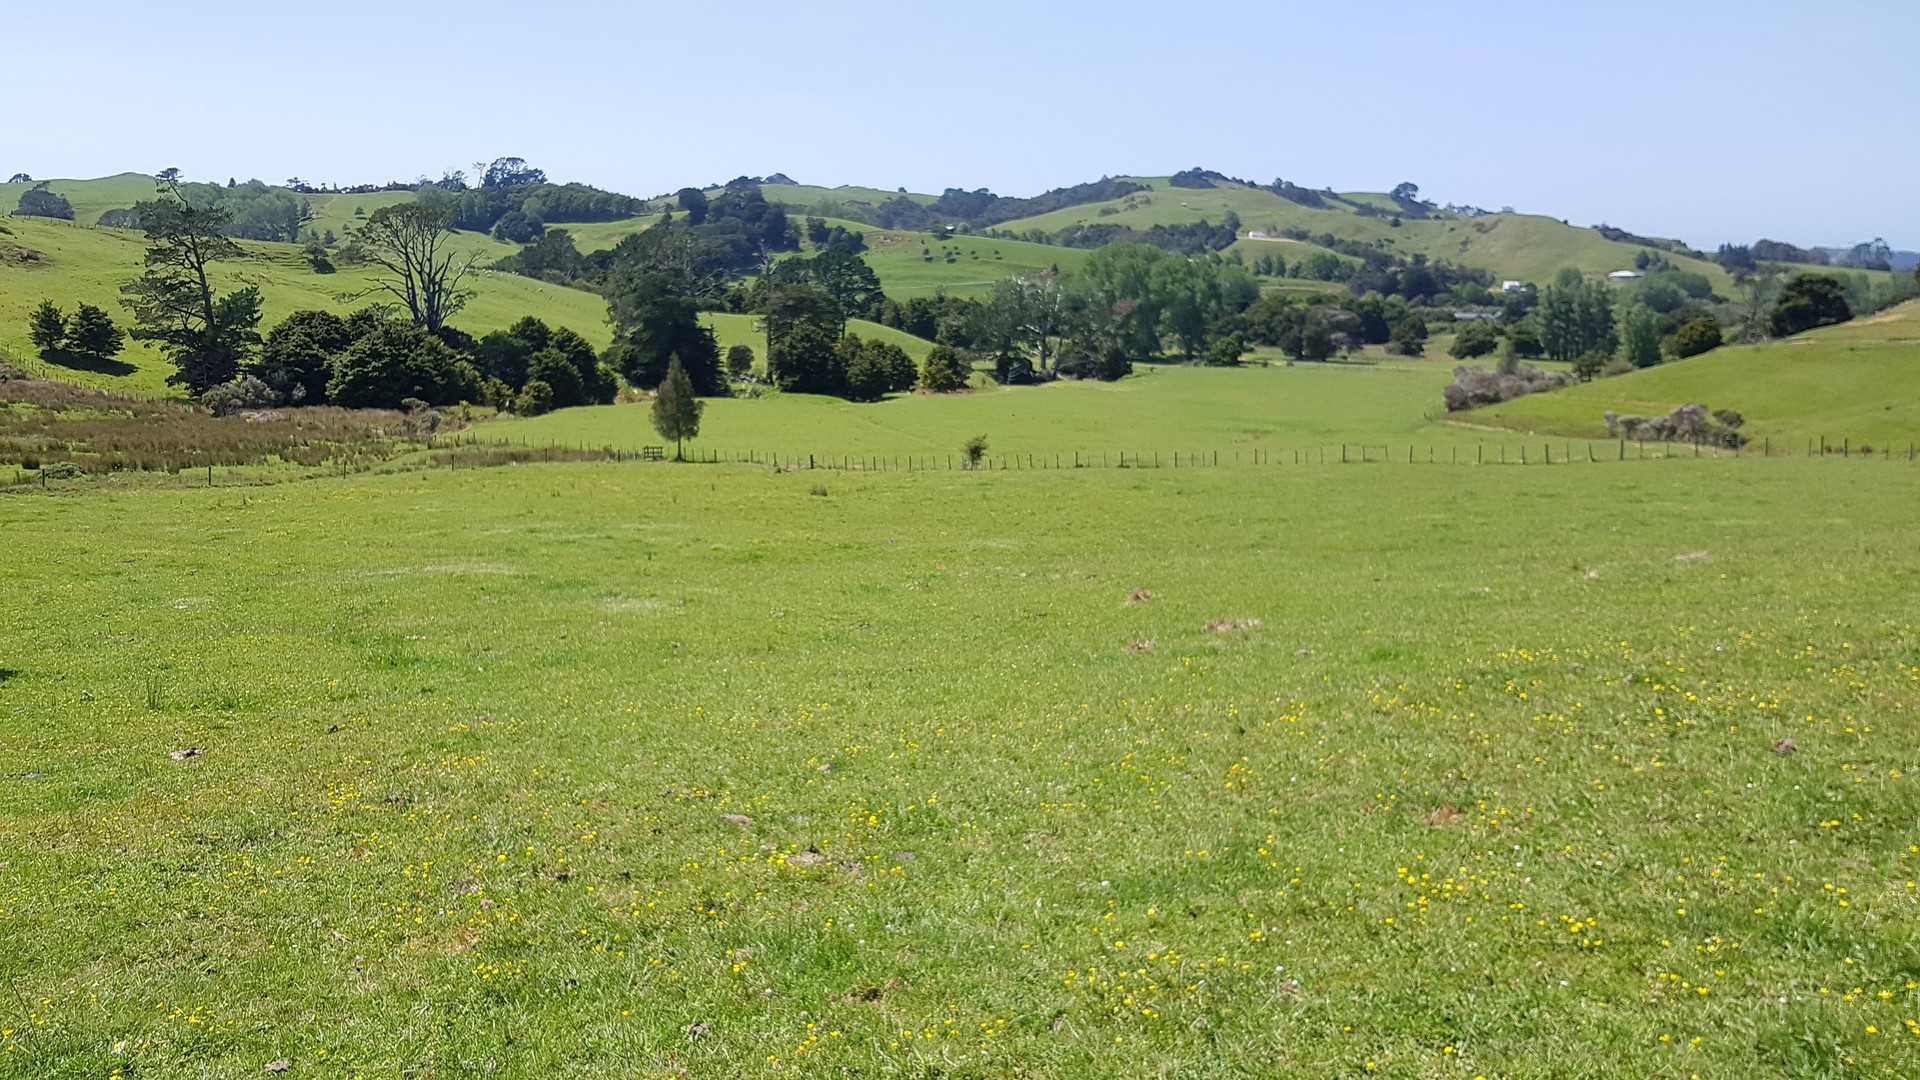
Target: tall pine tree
[(676, 412), (205, 334)]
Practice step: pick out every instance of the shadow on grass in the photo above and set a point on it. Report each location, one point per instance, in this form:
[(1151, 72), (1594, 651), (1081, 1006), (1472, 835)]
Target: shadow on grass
[(99, 365), (7, 673)]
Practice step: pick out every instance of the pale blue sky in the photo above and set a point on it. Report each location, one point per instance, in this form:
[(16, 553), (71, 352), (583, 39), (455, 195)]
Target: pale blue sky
[(1708, 120)]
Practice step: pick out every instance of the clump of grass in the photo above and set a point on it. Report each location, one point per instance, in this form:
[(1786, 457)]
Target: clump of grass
[(819, 490)]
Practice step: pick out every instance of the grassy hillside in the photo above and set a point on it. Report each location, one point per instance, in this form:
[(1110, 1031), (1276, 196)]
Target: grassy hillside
[(90, 198), (1524, 246), (1858, 381), (806, 198), (79, 263), (960, 266), (896, 257), (731, 330)]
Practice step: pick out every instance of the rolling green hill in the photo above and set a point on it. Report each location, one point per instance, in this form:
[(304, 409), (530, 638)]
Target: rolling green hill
[(1528, 247), (907, 263), (70, 263), (1857, 381), (90, 198)]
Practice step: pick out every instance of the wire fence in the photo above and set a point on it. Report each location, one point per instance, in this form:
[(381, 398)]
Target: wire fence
[(462, 451), (458, 452)]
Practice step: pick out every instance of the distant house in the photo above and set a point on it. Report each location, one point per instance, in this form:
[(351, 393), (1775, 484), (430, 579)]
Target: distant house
[(1474, 316), (1625, 275), (1513, 286), (1258, 235)]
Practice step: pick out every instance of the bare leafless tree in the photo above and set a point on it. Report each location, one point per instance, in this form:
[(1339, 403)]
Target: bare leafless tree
[(409, 243)]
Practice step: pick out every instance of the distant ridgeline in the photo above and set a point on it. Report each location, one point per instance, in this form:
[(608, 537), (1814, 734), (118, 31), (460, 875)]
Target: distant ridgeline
[(982, 208)]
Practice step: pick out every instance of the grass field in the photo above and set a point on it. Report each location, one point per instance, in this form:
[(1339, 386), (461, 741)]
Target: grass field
[(588, 770), (1164, 409), (1857, 381)]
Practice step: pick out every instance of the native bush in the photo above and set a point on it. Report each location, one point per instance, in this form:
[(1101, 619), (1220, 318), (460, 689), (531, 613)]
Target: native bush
[(241, 395)]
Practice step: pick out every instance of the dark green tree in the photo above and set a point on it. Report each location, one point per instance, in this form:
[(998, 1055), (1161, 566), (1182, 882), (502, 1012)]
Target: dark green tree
[(551, 366), (787, 307), (1697, 336), (1477, 338), (298, 356), (92, 334), (396, 361), (875, 369), (534, 399), (805, 359), (206, 336), (1575, 317), (1586, 367), (1807, 301), (655, 320), (841, 274), (1409, 338), (1023, 320), (519, 227), (1640, 337), (39, 202), (946, 370), (740, 361), (694, 202), (47, 327), (676, 411), (1119, 278)]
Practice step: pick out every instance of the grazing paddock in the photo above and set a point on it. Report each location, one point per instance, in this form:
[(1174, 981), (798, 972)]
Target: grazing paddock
[(619, 769)]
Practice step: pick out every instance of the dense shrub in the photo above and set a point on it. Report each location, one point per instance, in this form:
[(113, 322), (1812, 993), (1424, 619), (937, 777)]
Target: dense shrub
[(1478, 338), (396, 361), (536, 397), (875, 369), (1808, 301), (1688, 423), (947, 370), (740, 361), (1696, 337), (1479, 386), (241, 395), (39, 202)]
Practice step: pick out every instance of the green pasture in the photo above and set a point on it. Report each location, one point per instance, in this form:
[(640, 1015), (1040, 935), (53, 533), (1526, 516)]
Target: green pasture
[(915, 264), (589, 770), (1162, 409), (1859, 381)]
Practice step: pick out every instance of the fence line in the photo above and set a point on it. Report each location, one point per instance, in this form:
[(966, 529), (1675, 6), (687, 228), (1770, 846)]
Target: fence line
[(462, 451), (458, 451)]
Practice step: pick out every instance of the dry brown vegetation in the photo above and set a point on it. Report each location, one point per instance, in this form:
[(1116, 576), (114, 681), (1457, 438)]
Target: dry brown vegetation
[(45, 422)]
